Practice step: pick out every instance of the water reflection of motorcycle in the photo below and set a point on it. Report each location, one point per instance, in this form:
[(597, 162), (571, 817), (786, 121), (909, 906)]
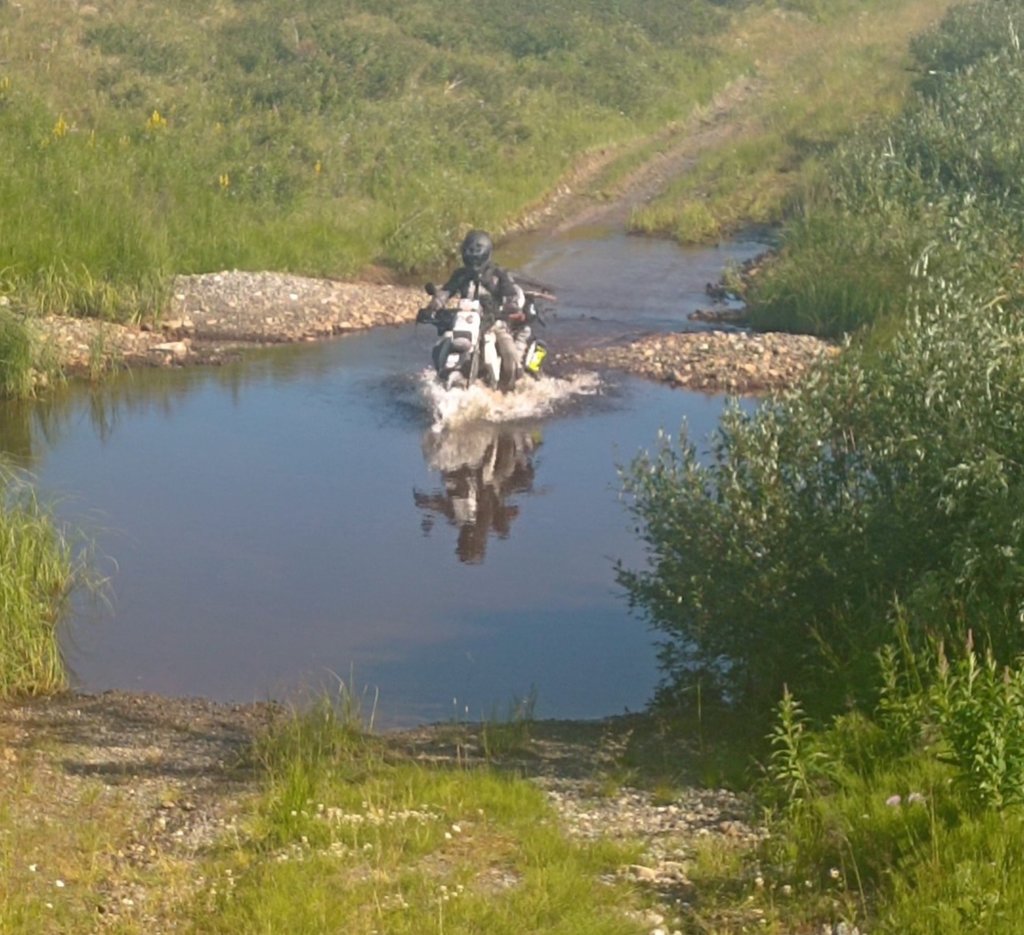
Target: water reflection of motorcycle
[(481, 467), (468, 349)]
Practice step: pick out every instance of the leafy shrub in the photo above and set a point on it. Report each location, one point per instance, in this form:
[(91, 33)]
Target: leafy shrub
[(980, 712), (776, 556), (968, 34), (910, 814)]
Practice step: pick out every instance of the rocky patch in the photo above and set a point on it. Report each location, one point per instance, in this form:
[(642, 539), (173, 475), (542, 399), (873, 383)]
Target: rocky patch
[(739, 362), (216, 316)]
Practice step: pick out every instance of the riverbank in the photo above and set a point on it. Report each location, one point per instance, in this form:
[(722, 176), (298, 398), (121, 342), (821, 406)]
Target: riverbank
[(215, 317), (165, 781)]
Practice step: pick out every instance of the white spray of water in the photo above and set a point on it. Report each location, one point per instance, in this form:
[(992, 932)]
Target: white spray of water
[(479, 403)]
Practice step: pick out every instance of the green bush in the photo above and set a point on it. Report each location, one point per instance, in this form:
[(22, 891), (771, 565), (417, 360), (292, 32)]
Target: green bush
[(775, 558), (906, 819), (968, 34)]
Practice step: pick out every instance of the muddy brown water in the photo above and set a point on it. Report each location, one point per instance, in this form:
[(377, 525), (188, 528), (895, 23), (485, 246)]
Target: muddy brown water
[(297, 520)]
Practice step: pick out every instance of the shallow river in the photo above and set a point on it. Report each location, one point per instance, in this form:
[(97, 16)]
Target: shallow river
[(298, 520)]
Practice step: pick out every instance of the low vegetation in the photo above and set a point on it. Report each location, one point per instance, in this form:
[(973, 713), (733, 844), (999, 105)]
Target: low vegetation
[(339, 833), (399, 847), (848, 555), (841, 568)]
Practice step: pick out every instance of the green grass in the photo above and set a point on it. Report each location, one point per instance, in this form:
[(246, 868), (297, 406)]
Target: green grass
[(347, 837), (327, 140), (17, 358), (37, 571), (27, 365), (930, 195), (308, 137)]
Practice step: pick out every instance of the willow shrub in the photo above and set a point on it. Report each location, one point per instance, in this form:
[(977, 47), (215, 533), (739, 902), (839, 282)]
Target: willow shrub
[(775, 557), (967, 35), (37, 571)]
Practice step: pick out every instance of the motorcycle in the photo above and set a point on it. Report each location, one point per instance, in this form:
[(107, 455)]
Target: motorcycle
[(467, 350)]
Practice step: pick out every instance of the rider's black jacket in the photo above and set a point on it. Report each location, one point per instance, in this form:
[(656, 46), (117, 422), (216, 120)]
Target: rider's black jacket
[(468, 283)]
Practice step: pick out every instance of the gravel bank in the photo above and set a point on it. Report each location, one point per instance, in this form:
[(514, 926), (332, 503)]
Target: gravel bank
[(216, 316), (739, 362)]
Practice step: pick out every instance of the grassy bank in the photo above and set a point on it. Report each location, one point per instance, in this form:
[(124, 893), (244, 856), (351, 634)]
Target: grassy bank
[(930, 196), (317, 827), (308, 138), (419, 849)]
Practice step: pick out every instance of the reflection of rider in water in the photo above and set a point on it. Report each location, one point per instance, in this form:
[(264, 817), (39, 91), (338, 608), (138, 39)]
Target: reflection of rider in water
[(480, 470)]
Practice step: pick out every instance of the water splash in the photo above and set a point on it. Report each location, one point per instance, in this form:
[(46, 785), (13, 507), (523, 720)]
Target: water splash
[(479, 403)]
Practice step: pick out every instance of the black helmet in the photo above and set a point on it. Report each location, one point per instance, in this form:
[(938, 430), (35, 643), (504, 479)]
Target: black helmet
[(476, 249)]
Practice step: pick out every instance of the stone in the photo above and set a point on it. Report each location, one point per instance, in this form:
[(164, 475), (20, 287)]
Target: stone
[(176, 350)]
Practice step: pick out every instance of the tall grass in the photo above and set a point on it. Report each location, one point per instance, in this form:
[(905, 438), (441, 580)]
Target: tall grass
[(17, 358), (37, 570), (933, 193), (147, 140), (904, 818)]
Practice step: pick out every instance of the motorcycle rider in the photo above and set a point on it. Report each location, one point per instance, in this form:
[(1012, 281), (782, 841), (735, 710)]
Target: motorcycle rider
[(481, 278)]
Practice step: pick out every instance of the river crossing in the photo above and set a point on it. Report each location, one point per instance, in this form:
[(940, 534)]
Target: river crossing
[(302, 518)]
